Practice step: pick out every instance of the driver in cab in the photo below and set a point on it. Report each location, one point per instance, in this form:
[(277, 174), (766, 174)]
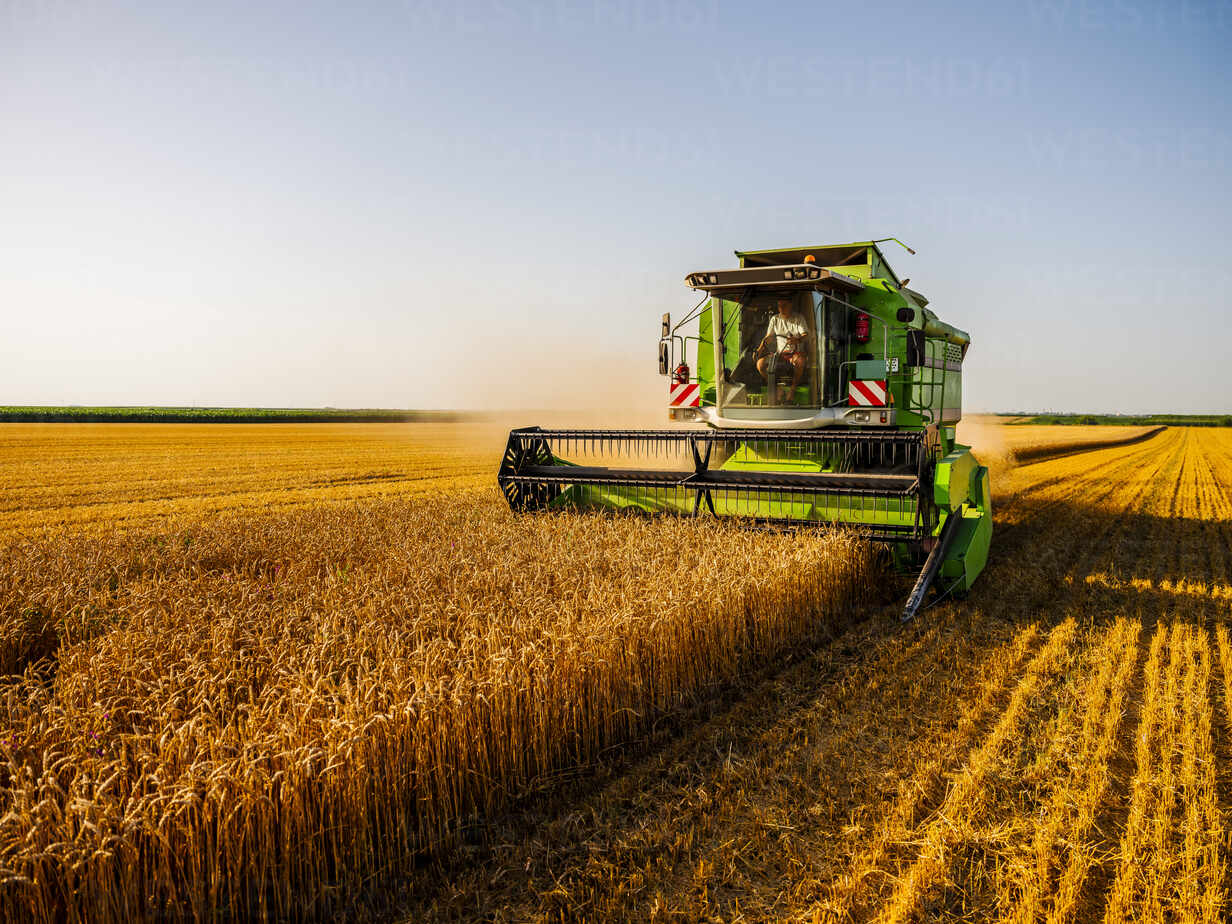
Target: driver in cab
[(784, 347)]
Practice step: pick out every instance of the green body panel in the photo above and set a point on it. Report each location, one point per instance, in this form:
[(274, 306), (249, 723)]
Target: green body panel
[(751, 460), (954, 484), (704, 350), (705, 340), (705, 353), (627, 499), (829, 508), (968, 551)]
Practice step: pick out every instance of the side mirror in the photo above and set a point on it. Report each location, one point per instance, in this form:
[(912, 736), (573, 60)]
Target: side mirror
[(667, 326), (664, 362)]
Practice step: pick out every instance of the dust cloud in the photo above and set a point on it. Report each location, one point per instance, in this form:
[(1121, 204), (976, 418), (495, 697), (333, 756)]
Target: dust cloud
[(558, 389), (985, 434)]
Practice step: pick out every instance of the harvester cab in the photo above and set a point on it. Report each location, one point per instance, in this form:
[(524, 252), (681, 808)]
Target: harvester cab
[(810, 386)]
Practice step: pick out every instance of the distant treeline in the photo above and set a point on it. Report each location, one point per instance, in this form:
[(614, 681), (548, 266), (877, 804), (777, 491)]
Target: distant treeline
[(223, 415), (1132, 420)]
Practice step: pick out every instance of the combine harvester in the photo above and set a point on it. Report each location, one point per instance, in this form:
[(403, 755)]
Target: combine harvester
[(829, 394)]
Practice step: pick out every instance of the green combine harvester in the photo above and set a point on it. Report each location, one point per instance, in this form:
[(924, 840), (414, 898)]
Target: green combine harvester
[(820, 390)]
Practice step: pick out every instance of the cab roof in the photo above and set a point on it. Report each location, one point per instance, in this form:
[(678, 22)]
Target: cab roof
[(853, 254)]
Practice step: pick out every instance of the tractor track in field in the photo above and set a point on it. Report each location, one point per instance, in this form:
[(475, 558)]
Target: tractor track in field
[(883, 775), (1047, 454), (1223, 742)]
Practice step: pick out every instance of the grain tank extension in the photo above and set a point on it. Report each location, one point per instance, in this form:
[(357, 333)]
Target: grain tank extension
[(810, 386)]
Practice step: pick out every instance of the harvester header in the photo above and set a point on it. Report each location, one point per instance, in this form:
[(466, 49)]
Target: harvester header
[(829, 393)]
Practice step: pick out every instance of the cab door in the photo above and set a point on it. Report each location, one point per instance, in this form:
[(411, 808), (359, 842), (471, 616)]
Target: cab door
[(833, 330)]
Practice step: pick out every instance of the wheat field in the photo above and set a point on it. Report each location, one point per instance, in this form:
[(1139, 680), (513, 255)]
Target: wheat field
[(316, 695), (228, 715), (109, 477)]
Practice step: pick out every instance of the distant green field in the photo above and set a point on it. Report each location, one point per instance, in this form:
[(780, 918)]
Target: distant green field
[(1130, 420), (220, 415)]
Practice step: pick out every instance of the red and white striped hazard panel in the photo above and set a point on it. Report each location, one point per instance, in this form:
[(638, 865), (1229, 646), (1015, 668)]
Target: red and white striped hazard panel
[(866, 393), (684, 394)]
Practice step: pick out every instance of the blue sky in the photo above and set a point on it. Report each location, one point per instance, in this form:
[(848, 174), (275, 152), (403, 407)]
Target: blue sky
[(490, 204)]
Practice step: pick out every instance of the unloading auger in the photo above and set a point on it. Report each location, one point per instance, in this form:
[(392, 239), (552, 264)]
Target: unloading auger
[(812, 387)]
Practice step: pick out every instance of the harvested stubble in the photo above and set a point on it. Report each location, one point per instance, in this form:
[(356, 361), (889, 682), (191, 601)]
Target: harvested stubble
[(277, 712), (1061, 850), (971, 788), (1170, 864)]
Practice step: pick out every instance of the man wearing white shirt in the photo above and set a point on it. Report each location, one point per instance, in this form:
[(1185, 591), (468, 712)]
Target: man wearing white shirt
[(786, 344)]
